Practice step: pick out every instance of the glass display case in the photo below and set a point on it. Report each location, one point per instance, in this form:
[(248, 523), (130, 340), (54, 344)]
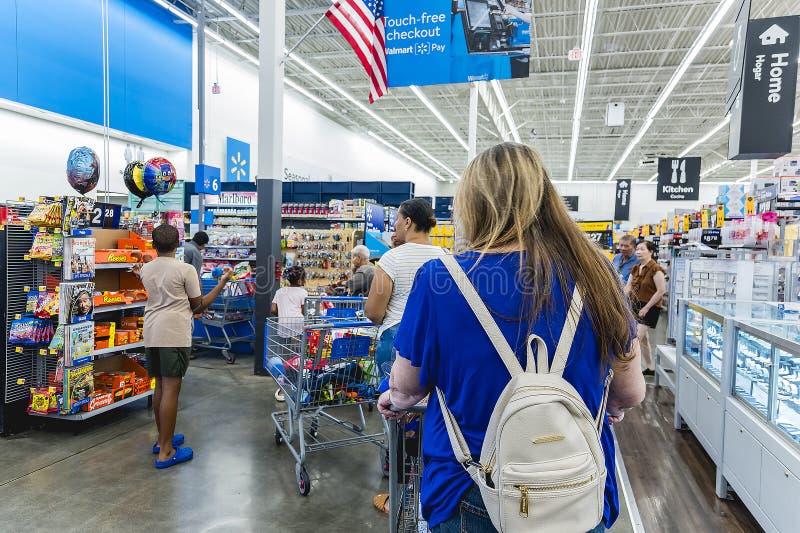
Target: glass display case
[(767, 375), (703, 331)]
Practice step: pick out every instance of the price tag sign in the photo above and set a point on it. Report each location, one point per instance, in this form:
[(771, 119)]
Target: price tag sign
[(53, 352), (42, 288), (2, 228), (18, 349), (42, 351), (20, 381), (675, 224), (26, 227), (26, 257), (687, 225), (26, 289), (105, 216), (720, 215), (17, 316), (750, 205), (704, 218)]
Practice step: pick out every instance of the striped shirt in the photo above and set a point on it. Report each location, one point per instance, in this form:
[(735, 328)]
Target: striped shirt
[(401, 265)]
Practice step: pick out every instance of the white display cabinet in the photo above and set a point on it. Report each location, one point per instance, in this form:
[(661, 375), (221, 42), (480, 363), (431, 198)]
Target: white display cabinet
[(705, 361), (761, 443)]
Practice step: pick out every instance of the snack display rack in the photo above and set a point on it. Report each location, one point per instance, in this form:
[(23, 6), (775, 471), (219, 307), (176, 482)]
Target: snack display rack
[(55, 364)]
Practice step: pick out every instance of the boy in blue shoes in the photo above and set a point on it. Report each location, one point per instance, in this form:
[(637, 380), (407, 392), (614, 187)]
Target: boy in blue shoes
[(174, 296)]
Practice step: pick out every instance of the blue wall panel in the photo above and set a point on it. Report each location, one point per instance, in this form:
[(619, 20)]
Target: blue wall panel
[(51, 58), (158, 74), (60, 57), (8, 50)]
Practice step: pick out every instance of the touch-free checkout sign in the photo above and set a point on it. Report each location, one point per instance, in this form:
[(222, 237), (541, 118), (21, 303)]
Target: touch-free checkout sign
[(678, 178), (431, 42), (762, 115)]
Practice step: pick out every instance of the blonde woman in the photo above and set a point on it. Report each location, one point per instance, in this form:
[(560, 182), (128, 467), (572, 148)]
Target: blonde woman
[(525, 256)]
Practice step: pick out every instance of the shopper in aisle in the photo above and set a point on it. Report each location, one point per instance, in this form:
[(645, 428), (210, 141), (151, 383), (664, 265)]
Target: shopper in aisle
[(174, 295), (395, 273), (646, 287), (516, 225), (193, 250), (288, 305), (363, 272), (625, 259)]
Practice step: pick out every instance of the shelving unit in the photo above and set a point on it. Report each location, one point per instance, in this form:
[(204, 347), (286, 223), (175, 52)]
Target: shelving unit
[(85, 415), (120, 307), (228, 233), (116, 349), (114, 266)]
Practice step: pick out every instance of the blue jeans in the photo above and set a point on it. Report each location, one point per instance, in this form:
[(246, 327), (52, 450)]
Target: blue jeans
[(471, 517), (384, 351)]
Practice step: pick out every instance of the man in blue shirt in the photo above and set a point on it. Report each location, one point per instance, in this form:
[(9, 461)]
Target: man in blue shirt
[(625, 259)]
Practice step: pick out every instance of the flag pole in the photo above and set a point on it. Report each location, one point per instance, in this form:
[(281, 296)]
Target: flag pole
[(303, 38)]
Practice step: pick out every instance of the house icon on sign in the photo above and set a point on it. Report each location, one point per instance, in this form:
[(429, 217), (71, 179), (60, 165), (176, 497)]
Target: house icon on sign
[(774, 35)]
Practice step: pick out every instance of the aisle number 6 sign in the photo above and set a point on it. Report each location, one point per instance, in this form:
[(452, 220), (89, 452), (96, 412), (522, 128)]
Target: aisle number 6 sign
[(207, 179)]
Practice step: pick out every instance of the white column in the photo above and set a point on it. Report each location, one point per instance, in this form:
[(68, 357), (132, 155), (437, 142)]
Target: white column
[(472, 140)]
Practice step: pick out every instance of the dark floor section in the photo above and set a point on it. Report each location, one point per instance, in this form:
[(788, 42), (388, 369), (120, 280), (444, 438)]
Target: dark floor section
[(672, 476)]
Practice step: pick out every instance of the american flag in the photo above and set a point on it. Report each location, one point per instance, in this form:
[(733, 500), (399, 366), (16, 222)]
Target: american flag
[(362, 24)]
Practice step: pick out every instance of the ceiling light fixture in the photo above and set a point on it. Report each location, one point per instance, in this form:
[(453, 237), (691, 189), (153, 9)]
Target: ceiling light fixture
[(237, 15), (699, 141), (402, 153), (589, 19), (172, 9), (710, 27), (424, 99), (501, 99), (308, 95)]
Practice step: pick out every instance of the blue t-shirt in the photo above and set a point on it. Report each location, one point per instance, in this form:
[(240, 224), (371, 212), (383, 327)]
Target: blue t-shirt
[(441, 336), (623, 266)]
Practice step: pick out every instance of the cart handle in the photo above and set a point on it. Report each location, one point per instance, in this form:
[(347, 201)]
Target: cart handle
[(420, 408)]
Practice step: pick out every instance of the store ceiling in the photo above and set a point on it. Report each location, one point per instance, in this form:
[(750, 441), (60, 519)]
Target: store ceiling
[(638, 45)]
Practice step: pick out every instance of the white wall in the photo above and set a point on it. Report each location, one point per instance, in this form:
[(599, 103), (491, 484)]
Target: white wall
[(596, 200), (33, 156), (33, 151), (314, 146)]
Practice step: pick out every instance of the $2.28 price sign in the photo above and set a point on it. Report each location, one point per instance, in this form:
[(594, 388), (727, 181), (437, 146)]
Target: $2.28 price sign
[(105, 216)]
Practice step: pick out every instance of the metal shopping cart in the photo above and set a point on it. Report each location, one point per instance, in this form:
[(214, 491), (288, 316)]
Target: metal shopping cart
[(229, 319), (321, 364), (335, 306), (405, 472)]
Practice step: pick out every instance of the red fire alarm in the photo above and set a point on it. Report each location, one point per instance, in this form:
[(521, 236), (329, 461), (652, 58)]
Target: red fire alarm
[(215, 88)]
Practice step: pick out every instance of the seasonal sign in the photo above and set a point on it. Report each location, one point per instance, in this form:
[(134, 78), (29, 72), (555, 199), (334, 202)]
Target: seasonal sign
[(678, 178)]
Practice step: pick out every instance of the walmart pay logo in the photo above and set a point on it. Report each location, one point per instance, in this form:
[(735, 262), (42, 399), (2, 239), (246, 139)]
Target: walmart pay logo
[(238, 161)]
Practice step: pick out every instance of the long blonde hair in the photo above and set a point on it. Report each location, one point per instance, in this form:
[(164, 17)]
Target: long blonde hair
[(507, 201)]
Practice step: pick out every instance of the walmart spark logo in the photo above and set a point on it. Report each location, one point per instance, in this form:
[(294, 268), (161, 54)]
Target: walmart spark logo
[(238, 167), (238, 160)]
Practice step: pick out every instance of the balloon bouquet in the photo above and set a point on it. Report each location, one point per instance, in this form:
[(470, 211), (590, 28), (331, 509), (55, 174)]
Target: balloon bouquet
[(153, 177)]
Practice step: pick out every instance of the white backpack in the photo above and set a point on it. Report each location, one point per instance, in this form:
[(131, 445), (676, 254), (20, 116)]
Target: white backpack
[(542, 468)]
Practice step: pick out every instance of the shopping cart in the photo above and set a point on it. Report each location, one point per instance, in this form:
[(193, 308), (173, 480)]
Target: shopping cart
[(229, 319), (322, 364), (335, 306), (405, 472)]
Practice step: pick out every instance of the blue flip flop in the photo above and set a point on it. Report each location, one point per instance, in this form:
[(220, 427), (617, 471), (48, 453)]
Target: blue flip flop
[(181, 456), (177, 440)]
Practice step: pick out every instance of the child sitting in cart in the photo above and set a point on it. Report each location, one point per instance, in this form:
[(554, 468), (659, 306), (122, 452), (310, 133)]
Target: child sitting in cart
[(288, 305)]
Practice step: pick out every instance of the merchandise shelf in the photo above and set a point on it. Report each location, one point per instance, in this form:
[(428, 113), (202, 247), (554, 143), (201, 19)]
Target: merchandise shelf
[(84, 415), (109, 266), (119, 307), (210, 258), (230, 247), (120, 348)]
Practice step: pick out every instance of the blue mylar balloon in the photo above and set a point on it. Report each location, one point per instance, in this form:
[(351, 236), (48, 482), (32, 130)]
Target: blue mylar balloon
[(83, 169)]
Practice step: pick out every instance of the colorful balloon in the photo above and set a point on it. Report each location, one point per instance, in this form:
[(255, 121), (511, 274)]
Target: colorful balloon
[(83, 169), (134, 185), (159, 176)]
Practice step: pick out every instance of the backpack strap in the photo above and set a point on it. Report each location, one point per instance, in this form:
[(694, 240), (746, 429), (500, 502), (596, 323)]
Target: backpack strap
[(485, 318), (567, 334)]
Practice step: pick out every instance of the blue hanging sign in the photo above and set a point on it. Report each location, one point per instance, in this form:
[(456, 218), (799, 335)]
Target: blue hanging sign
[(431, 42), (207, 180), (237, 167)]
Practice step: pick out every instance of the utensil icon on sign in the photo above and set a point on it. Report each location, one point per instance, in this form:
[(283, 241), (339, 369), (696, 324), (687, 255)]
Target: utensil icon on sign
[(675, 164), (683, 171)]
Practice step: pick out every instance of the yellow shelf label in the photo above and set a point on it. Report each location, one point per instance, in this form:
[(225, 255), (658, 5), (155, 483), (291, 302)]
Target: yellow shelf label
[(26, 258), (17, 316), (53, 352), (18, 349), (2, 228), (58, 289), (21, 198), (57, 264), (26, 289), (21, 381), (42, 288), (57, 231), (42, 351)]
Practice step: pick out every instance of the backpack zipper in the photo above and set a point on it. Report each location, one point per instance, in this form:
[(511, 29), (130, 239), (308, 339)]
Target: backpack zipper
[(525, 489)]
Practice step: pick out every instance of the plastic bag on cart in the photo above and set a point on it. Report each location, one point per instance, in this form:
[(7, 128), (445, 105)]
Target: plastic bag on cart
[(276, 368)]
